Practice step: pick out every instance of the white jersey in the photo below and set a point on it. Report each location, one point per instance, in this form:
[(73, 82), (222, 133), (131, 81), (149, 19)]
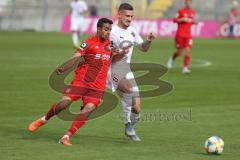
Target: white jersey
[(119, 69), (130, 35), (78, 7)]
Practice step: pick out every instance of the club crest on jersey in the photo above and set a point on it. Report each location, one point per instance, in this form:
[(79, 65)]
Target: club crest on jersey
[(83, 46)]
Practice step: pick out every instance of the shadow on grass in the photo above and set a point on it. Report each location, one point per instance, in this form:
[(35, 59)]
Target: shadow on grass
[(54, 136), (206, 154)]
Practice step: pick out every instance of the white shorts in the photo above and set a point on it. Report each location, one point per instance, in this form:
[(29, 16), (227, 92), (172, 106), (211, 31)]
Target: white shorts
[(117, 73), (76, 24)]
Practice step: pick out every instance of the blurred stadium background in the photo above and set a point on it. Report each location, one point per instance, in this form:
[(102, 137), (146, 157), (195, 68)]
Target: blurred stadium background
[(46, 15)]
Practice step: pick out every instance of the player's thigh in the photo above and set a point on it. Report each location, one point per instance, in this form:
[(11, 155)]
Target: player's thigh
[(64, 102), (90, 100), (117, 78), (71, 96), (74, 24), (80, 24), (88, 108), (179, 43), (125, 86), (188, 42), (75, 90)]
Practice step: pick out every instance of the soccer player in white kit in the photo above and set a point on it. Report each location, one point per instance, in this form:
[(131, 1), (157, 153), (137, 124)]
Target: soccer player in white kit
[(120, 78), (78, 9)]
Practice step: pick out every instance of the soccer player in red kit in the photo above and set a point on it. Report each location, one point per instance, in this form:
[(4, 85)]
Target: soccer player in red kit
[(89, 80), (183, 38)]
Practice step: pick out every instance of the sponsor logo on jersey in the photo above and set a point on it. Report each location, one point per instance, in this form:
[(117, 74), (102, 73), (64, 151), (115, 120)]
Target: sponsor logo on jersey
[(102, 56), (97, 56)]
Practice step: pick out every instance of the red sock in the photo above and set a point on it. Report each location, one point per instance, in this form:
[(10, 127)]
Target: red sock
[(51, 112), (186, 60), (175, 55), (78, 122)]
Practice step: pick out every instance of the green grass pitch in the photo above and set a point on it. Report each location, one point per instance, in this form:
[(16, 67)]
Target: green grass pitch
[(210, 92)]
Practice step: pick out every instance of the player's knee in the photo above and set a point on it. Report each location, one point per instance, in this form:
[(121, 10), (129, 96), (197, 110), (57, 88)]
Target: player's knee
[(125, 86), (136, 108), (133, 90), (63, 104), (129, 90), (88, 108), (188, 50), (179, 51)]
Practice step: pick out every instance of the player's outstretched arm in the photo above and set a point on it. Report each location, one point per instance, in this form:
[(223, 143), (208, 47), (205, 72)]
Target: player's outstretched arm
[(144, 47), (117, 54), (69, 63)]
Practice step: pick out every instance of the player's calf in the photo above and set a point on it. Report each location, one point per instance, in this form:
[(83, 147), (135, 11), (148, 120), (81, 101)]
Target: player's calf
[(78, 122), (135, 113)]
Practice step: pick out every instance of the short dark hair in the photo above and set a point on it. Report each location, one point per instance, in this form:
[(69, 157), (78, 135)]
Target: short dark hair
[(125, 6), (102, 21)]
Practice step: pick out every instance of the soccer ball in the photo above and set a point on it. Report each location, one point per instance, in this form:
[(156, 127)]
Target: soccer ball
[(214, 145)]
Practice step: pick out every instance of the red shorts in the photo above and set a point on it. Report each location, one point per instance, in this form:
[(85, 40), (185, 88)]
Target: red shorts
[(183, 42), (77, 90)]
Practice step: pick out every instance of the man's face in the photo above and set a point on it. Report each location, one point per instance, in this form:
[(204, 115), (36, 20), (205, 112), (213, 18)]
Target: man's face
[(125, 16), (188, 3), (104, 31)]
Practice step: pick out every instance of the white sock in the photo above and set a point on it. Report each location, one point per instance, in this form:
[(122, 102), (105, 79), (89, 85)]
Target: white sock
[(66, 136), (75, 39), (170, 61), (44, 119), (134, 117), (126, 112)]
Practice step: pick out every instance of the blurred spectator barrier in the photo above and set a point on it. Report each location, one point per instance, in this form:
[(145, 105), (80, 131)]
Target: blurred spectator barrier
[(162, 28)]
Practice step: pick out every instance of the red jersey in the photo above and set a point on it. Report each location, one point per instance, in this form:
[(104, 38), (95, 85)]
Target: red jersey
[(92, 72), (233, 17), (184, 28)]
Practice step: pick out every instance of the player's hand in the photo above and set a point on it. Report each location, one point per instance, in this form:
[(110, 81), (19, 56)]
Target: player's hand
[(119, 53), (60, 71), (125, 50), (115, 51), (185, 19), (151, 37)]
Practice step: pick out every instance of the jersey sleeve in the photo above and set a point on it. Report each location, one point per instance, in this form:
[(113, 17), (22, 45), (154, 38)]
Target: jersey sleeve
[(113, 39), (175, 19), (83, 49), (138, 39)]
